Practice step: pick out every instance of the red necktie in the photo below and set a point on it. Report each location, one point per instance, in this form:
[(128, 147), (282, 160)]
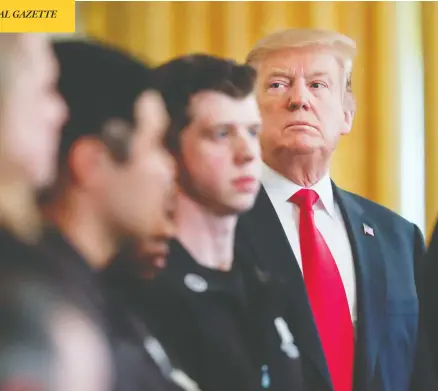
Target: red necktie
[(326, 295)]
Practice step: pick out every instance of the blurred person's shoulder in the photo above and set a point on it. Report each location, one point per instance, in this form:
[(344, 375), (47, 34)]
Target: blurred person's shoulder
[(17, 256), (71, 270)]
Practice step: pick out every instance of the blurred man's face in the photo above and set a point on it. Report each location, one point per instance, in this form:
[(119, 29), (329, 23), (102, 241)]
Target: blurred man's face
[(31, 110), (148, 256), (138, 191), (219, 163)]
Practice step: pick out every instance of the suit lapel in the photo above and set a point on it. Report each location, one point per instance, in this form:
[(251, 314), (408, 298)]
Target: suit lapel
[(262, 231), (370, 285)]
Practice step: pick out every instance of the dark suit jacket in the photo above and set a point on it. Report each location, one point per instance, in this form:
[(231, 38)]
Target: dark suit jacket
[(385, 265), (430, 302)]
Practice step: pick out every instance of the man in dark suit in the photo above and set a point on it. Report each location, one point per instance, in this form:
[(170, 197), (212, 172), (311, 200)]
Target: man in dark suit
[(431, 296), (350, 264)]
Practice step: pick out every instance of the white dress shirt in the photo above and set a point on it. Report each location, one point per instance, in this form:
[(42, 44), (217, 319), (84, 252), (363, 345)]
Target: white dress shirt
[(328, 220)]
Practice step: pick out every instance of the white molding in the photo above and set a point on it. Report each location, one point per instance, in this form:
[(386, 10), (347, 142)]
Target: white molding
[(411, 109)]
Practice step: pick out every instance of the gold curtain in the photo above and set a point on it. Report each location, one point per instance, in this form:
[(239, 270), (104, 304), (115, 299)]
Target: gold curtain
[(367, 161), (430, 45)]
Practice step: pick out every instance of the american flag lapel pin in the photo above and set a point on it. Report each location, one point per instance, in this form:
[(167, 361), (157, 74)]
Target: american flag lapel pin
[(368, 230)]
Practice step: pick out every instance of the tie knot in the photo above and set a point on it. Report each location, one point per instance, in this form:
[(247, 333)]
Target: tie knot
[(305, 198)]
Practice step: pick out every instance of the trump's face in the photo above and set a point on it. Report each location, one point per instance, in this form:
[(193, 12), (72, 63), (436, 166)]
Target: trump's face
[(219, 162), (300, 93)]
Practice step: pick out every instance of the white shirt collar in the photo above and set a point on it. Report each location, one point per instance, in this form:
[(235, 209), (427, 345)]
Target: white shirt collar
[(281, 188)]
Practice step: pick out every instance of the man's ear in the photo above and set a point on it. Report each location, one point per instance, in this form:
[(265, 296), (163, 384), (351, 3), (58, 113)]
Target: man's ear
[(85, 160), (349, 106)]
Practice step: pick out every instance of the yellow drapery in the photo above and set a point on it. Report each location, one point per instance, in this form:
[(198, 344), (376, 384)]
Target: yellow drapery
[(430, 52), (367, 160)]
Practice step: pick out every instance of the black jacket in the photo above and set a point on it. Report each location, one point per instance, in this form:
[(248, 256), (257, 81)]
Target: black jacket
[(219, 326)]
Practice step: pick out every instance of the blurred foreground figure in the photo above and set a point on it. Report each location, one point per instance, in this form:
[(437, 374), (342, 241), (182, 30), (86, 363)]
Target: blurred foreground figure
[(115, 176), (31, 116), (46, 342), (217, 316)]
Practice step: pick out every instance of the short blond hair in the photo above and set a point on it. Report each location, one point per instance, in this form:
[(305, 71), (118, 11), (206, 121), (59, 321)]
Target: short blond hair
[(343, 46)]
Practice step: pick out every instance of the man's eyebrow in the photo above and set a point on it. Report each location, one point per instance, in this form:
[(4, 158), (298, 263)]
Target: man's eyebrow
[(281, 72), (288, 73), (318, 74)]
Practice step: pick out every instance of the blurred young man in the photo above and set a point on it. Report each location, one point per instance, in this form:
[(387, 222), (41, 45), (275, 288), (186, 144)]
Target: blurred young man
[(216, 317), (114, 178), (31, 116), (46, 341)]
